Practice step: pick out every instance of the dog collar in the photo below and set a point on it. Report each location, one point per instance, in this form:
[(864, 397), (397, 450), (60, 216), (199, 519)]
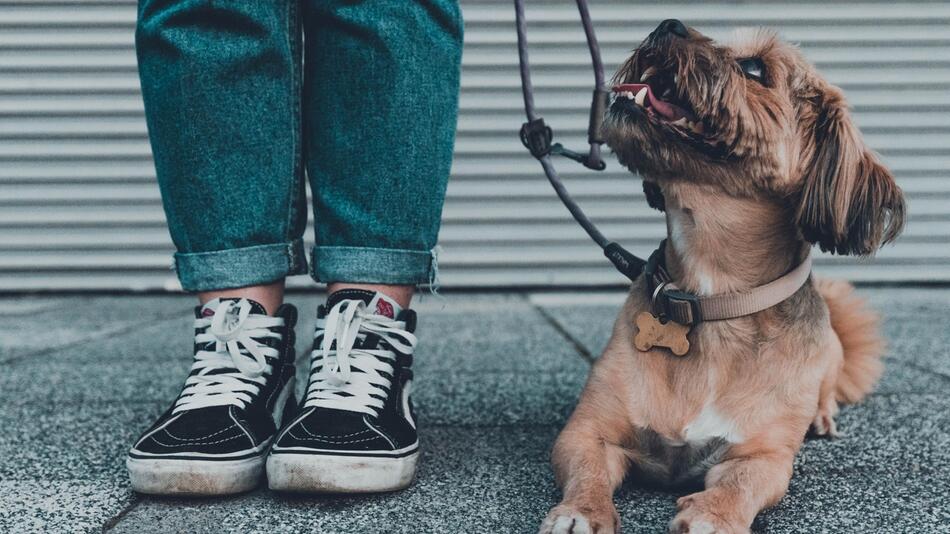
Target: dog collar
[(672, 303)]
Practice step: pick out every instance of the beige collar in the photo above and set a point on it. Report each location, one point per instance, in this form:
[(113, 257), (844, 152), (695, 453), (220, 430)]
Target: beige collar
[(670, 302)]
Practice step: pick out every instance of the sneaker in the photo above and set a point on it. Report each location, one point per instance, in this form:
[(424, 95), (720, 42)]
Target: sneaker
[(214, 439), (356, 430)]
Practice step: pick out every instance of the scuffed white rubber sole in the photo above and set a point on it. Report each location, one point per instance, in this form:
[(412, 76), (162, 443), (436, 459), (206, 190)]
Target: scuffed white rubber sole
[(320, 473), (164, 476)]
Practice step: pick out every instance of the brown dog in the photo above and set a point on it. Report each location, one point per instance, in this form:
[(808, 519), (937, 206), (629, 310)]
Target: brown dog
[(754, 157)]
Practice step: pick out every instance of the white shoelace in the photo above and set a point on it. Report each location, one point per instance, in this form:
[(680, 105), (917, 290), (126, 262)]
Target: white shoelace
[(351, 378), (235, 369)]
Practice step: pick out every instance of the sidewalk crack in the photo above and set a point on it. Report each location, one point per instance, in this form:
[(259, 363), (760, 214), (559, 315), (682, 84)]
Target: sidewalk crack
[(573, 341), (88, 339), (115, 520)]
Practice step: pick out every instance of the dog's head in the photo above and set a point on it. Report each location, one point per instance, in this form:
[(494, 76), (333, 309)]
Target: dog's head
[(754, 119)]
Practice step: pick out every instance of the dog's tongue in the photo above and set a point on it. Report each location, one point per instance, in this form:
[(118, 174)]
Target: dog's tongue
[(669, 112)]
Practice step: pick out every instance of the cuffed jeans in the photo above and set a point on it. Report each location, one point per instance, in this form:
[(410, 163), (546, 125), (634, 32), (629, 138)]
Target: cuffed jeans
[(242, 96)]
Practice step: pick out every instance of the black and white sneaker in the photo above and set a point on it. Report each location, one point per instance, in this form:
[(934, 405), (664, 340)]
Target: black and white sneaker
[(214, 439), (356, 430)]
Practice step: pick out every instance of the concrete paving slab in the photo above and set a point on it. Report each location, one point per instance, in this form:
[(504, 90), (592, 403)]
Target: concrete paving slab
[(906, 300), (52, 441), (590, 327), (27, 305), (148, 364), (497, 398), (513, 340), (919, 342), (865, 502), (901, 377), (907, 434), (97, 382), (70, 320), (68, 506)]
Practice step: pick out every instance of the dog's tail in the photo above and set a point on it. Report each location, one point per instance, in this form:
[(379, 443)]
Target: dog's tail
[(857, 327)]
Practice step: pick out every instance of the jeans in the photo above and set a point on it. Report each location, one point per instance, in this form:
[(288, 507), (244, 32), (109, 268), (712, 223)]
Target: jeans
[(245, 97)]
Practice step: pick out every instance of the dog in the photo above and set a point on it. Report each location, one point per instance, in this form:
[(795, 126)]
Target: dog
[(754, 158)]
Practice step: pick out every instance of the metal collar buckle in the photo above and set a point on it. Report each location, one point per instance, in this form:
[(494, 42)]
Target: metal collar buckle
[(668, 301)]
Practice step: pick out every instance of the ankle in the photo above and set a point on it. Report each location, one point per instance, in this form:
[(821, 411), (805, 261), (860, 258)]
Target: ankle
[(270, 296), (401, 294)]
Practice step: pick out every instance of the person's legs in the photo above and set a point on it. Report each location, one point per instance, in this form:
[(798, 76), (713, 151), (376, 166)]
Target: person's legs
[(380, 104), (221, 88), (220, 83)]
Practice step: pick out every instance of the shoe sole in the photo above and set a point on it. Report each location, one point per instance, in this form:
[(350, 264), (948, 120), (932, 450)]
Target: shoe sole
[(322, 473), (167, 476), (174, 476)]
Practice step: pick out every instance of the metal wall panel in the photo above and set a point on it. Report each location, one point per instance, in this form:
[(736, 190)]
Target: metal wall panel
[(79, 208)]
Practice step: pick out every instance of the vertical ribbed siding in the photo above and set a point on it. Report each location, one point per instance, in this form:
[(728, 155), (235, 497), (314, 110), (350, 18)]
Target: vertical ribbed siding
[(79, 207)]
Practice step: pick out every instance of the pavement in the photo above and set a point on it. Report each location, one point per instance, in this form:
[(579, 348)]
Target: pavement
[(497, 375)]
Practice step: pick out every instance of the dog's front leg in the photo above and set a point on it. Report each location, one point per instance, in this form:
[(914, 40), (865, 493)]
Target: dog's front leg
[(589, 470), (736, 491), (589, 459)]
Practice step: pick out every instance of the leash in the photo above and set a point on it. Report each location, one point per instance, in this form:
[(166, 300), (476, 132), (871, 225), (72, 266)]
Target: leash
[(538, 138), (674, 311)]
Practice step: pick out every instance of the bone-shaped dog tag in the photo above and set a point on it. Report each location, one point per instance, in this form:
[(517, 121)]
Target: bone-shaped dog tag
[(651, 332)]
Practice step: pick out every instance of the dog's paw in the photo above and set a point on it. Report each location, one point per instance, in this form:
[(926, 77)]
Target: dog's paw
[(824, 426), (566, 519), (695, 518)]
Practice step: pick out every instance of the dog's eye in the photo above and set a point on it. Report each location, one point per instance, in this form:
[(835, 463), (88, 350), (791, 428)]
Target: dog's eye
[(753, 68)]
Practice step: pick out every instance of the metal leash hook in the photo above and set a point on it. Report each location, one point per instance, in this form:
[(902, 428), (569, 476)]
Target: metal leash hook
[(538, 138)]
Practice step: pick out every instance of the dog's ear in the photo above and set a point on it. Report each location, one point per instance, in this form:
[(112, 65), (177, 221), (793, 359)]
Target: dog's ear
[(850, 203), (654, 195)]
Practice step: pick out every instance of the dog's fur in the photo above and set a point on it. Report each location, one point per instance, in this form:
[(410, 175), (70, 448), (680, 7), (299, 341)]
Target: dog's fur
[(779, 166)]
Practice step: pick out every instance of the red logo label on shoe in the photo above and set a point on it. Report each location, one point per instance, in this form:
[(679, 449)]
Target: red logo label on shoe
[(385, 308), (207, 312)]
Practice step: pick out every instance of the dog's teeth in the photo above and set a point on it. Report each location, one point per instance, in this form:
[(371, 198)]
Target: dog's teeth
[(681, 122), (647, 73), (628, 94), (641, 96), (676, 79)]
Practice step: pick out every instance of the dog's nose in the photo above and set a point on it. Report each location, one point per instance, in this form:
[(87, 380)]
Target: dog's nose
[(672, 26)]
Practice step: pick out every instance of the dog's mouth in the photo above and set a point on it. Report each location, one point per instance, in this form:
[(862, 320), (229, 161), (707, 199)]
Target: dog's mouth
[(657, 96)]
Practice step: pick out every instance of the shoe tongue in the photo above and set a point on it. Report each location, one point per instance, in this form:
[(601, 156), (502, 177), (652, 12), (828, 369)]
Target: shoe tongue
[(212, 305), (375, 302)]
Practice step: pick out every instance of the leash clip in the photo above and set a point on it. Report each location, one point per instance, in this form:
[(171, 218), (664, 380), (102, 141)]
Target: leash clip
[(625, 262), (585, 160), (536, 136)]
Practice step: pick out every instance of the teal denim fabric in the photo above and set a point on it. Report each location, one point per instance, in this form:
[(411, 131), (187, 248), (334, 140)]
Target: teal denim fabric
[(244, 98)]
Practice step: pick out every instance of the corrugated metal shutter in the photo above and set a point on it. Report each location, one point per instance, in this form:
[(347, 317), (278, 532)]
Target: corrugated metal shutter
[(79, 207)]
